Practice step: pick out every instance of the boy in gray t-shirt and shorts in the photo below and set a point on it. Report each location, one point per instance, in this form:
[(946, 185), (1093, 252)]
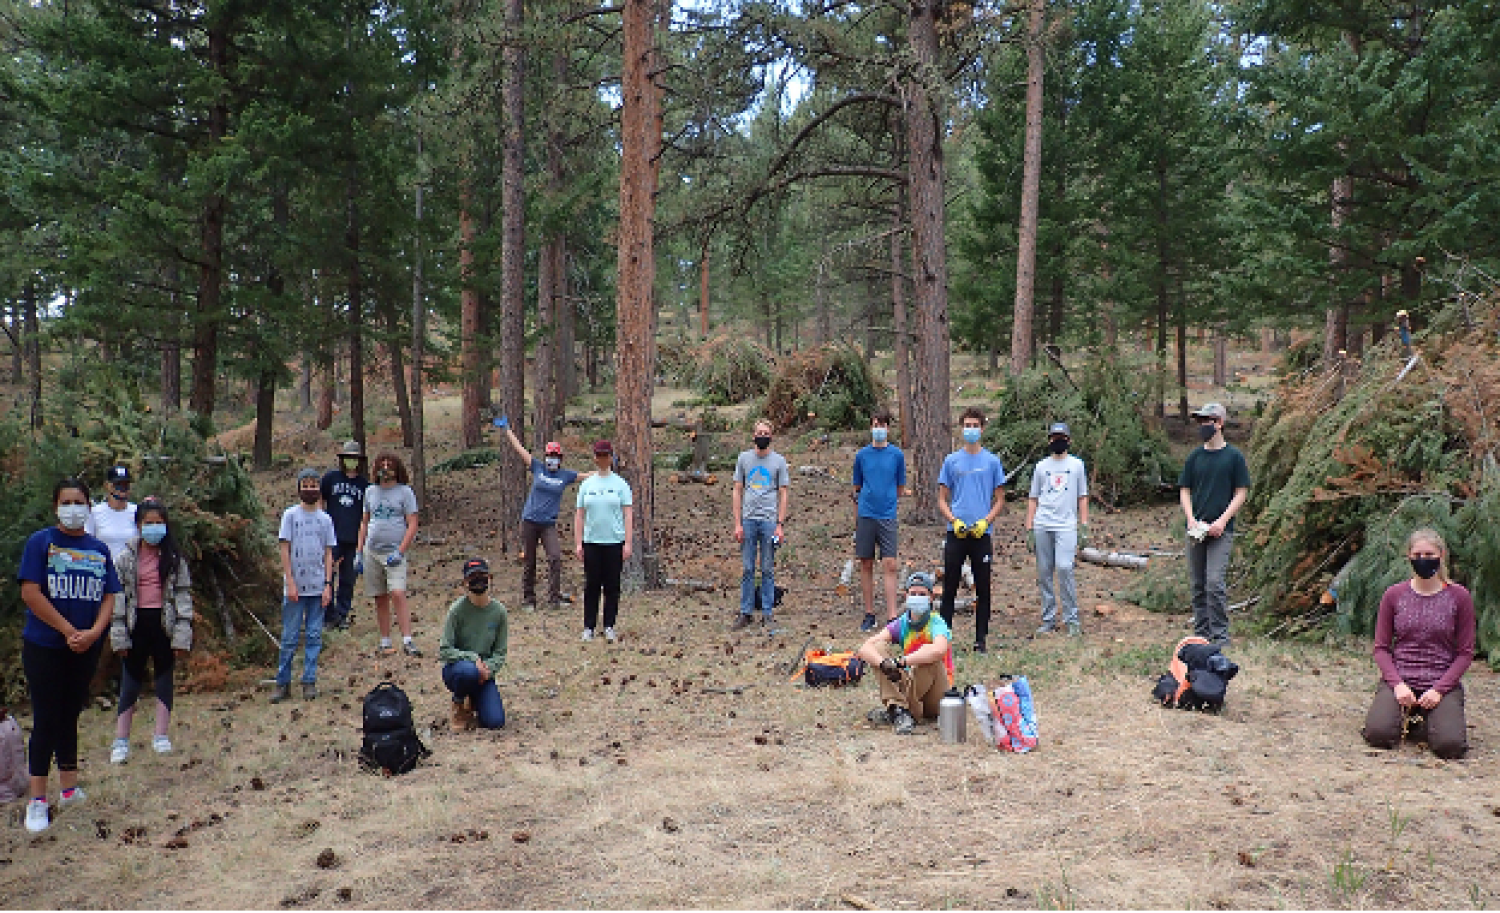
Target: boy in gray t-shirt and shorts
[(385, 534)]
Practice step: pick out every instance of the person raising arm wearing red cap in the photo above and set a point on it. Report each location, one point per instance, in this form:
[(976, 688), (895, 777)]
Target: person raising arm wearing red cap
[(539, 515)]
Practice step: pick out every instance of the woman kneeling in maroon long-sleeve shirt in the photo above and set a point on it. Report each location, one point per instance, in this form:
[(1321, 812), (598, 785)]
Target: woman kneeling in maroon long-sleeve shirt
[(1424, 642)]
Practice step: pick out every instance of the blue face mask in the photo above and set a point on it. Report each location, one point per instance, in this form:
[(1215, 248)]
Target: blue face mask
[(971, 435), (878, 435), (153, 533), (918, 610)]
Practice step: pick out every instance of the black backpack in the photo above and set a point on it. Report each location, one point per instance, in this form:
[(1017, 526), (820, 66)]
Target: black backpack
[(1198, 678), (390, 744)]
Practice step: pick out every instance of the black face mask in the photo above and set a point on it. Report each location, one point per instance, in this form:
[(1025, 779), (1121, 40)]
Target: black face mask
[(1058, 446), (1426, 568), (309, 497), (1207, 430), (479, 585), (763, 442)]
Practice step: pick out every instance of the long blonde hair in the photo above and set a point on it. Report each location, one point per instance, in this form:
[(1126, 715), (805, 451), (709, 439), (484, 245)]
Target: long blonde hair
[(1431, 536)]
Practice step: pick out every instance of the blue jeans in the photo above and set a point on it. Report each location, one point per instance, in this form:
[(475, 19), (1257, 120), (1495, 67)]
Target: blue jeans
[(462, 678), (758, 534), (307, 610)]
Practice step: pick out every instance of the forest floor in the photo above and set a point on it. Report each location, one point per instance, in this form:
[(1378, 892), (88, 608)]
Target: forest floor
[(682, 768)]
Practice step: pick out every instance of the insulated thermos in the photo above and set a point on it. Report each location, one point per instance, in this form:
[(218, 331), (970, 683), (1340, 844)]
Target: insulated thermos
[(951, 718)]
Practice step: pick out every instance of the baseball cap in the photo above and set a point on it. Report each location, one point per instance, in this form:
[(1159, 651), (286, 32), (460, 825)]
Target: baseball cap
[(308, 473), (351, 448), (603, 447), (1060, 428), (475, 566), (554, 448), (117, 473), (1212, 410), (920, 578)]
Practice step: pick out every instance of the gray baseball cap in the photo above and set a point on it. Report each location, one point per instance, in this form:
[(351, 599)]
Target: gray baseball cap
[(1059, 428), (308, 473), (920, 578), (1212, 410)]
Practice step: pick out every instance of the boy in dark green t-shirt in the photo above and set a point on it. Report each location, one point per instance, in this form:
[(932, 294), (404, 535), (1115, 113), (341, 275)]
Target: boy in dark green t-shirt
[(1214, 484), (476, 639)]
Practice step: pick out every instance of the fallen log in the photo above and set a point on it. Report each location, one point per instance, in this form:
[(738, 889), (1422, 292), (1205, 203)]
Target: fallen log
[(1113, 559)]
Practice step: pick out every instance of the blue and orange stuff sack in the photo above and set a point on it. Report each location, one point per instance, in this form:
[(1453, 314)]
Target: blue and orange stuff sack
[(821, 668), (1197, 678), (1006, 714)]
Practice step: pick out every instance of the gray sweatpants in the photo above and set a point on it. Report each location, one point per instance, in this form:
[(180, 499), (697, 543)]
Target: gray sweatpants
[(1208, 561), (1056, 550)]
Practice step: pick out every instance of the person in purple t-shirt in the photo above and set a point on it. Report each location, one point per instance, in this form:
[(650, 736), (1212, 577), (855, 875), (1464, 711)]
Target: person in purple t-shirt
[(1424, 642)]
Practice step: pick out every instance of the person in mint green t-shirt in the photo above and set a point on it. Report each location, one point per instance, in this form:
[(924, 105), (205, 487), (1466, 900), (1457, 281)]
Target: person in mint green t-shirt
[(601, 536), (476, 639)]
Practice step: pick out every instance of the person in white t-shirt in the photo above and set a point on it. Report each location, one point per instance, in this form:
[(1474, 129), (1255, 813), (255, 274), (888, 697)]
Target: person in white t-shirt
[(112, 521), (1057, 524)]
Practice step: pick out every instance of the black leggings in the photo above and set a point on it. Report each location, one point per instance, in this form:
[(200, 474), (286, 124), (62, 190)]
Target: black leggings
[(148, 641), (58, 680), (977, 552), (601, 572)]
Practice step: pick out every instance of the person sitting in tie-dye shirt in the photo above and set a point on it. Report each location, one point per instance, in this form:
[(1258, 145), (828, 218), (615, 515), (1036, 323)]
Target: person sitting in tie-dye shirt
[(913, 683)]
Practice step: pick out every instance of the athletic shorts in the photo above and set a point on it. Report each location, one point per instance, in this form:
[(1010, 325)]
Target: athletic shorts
[(869, 532), (380, 580)]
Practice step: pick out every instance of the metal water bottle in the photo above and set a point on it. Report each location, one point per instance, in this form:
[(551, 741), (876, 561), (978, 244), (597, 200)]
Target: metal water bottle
[(951, 718)]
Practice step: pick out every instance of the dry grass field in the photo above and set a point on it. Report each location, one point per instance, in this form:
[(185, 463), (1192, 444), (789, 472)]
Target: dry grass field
[(623, 781)]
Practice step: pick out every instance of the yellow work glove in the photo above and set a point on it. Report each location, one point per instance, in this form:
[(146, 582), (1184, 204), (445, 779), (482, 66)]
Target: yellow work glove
[(979, 528), (960, 529)]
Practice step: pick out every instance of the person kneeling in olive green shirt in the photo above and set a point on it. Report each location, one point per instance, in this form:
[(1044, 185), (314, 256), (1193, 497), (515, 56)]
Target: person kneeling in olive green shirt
[(476, 637)]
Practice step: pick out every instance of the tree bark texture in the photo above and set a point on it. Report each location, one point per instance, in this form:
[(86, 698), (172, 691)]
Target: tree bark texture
[(513, 263), (470, 325), (211, 240), (418, 341), (33, 351), (931, 424), (329, 392), (1336, 320), (1031, 190), (356, 319), (640, 134), (901, 344)]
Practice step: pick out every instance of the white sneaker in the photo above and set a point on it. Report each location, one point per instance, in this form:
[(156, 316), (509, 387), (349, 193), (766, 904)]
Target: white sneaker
[(588, 635), (161, 745), (119, 751), (37, 819), (609, 634), (64, 800)]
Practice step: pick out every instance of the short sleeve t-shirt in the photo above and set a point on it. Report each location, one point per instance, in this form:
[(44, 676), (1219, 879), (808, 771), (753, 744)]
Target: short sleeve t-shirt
[(971, 480), (344, 499), (545, 499), (115, 528), (912, 639), (603, 500), (1057, 484), (309, 532), (388, 509), (74, 572), (763, 478), (1211, 476), (879, 473)]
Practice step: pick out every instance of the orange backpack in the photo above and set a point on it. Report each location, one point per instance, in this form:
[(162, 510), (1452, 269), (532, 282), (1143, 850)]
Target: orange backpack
[(820, 668)]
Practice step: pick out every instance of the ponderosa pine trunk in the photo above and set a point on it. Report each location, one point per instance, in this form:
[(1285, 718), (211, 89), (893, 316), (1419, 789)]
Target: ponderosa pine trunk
[(356, 318), (931, 424), (33, 350), (470, 325), (418, 340), (1031, 191), (513, 262), (1336, 319), (211, 240), (901, 344), (640, 136)]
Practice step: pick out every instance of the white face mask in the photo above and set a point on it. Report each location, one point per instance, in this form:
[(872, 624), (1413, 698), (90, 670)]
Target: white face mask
[(879, 435), (72, 516), (918, 609), (553, 464)]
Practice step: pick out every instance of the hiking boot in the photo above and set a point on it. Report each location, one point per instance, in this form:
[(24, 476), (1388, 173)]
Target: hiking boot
[(880, 715), (979, 647), (309, 691), (741, 622), (464, 718), (119, 751), (410, 649), (1075, 629), (1045, 629), (282, 693), (902, 722), (161, 745), (868, 624)]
